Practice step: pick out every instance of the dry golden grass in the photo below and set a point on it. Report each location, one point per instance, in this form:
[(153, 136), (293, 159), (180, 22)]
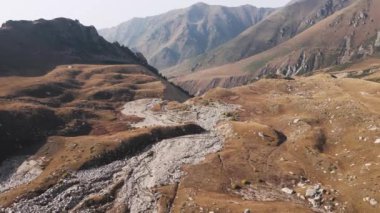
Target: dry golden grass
[(322, 119)]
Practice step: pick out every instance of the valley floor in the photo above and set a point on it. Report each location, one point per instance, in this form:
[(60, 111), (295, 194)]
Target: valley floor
[(304, 145)]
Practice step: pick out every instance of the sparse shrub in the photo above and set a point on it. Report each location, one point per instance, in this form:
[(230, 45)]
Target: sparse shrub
[(234, 116), (235, 186), (206, 102), (66, 175), (118, 76), (245, 182)]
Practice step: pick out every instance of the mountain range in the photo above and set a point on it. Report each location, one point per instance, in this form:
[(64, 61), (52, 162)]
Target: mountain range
[(280, 26), (301, 37)]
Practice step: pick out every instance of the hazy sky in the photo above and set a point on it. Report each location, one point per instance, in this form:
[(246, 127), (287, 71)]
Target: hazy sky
[(105, 13)]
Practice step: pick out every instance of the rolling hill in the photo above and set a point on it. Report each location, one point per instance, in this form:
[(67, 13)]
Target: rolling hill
[(308, 144)]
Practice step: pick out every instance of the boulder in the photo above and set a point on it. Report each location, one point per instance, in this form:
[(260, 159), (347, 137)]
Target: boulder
[(377, 42), (312, 191), (287, 190), (247, 211), (373, 202)]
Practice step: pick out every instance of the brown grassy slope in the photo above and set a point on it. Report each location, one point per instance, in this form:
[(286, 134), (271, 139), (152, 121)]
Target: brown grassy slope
[(320, 46), (330, 127), (367, 69), (73, 100)]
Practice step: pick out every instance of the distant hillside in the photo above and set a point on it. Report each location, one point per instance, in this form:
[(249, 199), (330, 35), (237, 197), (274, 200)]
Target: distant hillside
[(170, 38), (32, 48), (347, 36), (280, 26)]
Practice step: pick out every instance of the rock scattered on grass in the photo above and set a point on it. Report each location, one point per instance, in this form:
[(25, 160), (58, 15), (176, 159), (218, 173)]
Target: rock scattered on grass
[(371, 201), (296, 120), (287, 190), (312, 191)]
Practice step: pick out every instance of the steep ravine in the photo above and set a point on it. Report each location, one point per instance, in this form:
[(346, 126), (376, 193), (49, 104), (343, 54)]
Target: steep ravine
[(128, 184)]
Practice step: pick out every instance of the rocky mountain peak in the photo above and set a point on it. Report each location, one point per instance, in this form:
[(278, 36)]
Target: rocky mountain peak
[(199, 5)]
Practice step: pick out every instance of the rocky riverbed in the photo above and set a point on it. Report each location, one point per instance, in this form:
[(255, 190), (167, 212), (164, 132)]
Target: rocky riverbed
[(129, 183)]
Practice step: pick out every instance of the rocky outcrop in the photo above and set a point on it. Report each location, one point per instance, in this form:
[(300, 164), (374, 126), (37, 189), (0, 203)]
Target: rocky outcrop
[(304, 64), (311, 60)]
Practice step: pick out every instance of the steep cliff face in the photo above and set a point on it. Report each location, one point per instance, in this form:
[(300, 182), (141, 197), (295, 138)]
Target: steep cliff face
[(170, 38), (34, 47)]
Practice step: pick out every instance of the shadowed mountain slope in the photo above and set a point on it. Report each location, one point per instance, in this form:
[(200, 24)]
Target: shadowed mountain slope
[(31, 48)]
